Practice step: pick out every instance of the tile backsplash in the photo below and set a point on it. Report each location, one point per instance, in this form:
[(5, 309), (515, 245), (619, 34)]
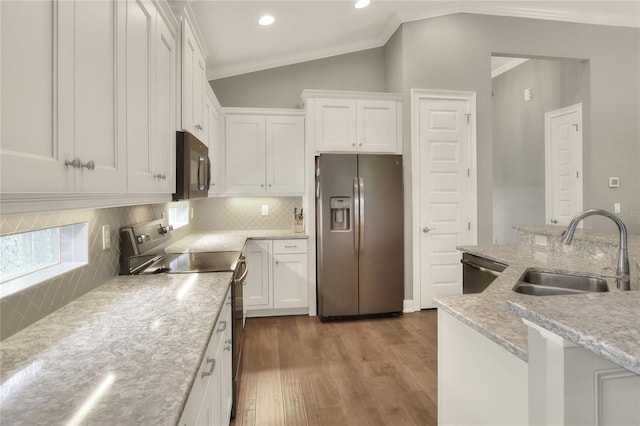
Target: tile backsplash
[(231, 213), (21, 309)]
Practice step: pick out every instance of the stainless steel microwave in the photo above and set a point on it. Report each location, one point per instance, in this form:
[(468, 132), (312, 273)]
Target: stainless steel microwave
[(193, 167)]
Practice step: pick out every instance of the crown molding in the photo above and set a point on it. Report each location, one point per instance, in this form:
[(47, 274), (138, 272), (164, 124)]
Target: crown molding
[(508, 66), (498, 8)]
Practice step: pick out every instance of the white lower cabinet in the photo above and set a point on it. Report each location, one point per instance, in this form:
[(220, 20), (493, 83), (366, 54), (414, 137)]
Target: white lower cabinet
[(277, 282), (209, 402)]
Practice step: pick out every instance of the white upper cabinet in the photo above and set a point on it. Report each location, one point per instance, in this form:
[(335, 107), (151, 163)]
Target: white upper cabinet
[(354, 121), (61, 97), (212, 139), (151, 99), (193, 83), (285, 154), (264, 153)]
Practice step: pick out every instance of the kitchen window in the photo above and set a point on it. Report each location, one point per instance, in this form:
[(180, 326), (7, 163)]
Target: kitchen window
[(179, 216), (32, 257)]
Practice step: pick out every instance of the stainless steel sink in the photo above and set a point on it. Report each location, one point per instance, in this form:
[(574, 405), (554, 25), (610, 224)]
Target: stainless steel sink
[(543, 283)]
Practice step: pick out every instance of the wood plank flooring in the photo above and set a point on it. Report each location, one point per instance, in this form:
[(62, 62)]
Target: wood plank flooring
[(299, 371)]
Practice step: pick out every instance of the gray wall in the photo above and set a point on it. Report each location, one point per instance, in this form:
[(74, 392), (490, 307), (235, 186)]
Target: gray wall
[(281, 87), (518, 137)]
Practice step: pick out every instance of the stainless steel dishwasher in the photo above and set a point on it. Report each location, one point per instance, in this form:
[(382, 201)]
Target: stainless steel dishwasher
[(478, 273)]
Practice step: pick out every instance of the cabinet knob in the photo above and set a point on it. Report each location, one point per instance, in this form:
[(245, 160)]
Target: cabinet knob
[(269, 185), (75, 163), (277, 262), (554, 221), (360, 144), (90, 165), (353, 144), (261, 185)]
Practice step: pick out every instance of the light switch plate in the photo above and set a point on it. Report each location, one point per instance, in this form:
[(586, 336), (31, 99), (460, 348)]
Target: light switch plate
[(265, 210), (614, 182), (106, 237)]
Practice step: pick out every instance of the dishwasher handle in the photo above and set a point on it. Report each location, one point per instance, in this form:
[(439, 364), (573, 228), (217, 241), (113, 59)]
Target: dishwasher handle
[(479, 268)]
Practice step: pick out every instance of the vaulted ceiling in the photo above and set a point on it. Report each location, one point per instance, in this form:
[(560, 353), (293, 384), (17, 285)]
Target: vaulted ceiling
[(306, 30)]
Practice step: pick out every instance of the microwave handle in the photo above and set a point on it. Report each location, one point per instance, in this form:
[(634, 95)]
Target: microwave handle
[(208, 173), (200, 171)]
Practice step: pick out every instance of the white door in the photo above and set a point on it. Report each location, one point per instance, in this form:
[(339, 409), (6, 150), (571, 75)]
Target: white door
[(563, 164), (377, 126), (285, 154), (446, 213)]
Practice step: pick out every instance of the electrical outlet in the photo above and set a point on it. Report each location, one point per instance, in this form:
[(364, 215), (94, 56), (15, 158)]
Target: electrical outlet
[(106, 237), (617, 208), (265, 210), (192, 214)]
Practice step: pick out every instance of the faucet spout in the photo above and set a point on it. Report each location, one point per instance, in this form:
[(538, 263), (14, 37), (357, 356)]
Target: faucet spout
[(623, 278)]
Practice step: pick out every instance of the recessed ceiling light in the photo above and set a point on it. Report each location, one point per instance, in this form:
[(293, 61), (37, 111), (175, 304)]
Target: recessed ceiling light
[(361, 3), (268, 20)]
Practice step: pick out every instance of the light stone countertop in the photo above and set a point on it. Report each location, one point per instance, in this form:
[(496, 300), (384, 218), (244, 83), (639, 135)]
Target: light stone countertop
[(487, 312), (607, 324), (227, 240), (138, 338)]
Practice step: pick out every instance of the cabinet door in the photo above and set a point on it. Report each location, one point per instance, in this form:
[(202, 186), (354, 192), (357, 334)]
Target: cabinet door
[(285, 154), (335, 125), (257, 294), (97, 115), (226, 391), (290, 281), (140, 97), (377, 126), (193, 78), (213, 141), (209, 414), (164, 125), (245, 154), (31, 156)]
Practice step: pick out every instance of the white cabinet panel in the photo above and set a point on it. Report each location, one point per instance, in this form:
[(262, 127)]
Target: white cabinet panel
[(212, 140), (285, 154), (290, 281), (335, 122), (29, 143), (164, 148), (257, 289), (377, 126), (264, 154), (245, 154), (193, 80)]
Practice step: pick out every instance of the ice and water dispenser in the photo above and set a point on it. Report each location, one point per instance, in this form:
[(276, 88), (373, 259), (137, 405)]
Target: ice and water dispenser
[(340, 213)]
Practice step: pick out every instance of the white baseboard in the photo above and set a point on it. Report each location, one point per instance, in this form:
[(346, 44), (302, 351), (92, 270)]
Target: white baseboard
[(408, 306)]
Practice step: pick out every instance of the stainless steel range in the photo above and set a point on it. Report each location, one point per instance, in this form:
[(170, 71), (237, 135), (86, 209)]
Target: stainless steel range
[(142, 252)]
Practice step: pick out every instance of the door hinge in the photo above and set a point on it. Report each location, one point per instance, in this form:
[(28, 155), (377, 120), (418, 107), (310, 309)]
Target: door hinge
[(469, 226), (577, 174), (468, 172), (576, 127), (468, 118)]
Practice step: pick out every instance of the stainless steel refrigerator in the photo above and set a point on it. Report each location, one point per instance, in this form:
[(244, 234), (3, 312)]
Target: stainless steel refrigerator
[(359, 235)]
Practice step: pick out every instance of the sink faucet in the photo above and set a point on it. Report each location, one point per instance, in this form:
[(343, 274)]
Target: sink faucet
[(623, 279)]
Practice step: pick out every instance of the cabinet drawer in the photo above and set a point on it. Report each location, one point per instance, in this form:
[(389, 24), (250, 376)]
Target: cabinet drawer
[(289, 246)]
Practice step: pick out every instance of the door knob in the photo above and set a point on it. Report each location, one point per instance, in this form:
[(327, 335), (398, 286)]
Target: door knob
[(427, 229), (554, 221)]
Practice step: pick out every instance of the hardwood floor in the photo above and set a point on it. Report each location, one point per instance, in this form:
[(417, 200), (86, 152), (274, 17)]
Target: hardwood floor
[(299, 371)]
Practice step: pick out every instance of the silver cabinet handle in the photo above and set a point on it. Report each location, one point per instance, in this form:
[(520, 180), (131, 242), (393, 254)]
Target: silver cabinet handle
[(227, 348), (211, 370), (426, 229), (75, 163), (228, 341), (479, 268), (197, 126), (290, 246), (90, 165), (224, 326), (554, 221), (160, 176)]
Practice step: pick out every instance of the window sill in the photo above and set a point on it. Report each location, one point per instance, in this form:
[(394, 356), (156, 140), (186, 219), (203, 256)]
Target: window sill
[(19, 284)]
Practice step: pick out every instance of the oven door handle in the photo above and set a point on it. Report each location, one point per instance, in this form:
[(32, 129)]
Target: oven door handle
[(479, 268), (244, 273)]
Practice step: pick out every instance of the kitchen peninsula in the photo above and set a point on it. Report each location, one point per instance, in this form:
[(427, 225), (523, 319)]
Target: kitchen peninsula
[(482, 338)]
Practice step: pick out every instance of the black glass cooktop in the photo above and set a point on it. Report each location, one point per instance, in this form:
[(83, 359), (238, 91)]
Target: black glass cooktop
[(177, 263)]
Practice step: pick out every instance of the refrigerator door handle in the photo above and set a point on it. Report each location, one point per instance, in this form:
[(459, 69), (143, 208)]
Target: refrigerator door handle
[(361, 231), (356, 215)]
